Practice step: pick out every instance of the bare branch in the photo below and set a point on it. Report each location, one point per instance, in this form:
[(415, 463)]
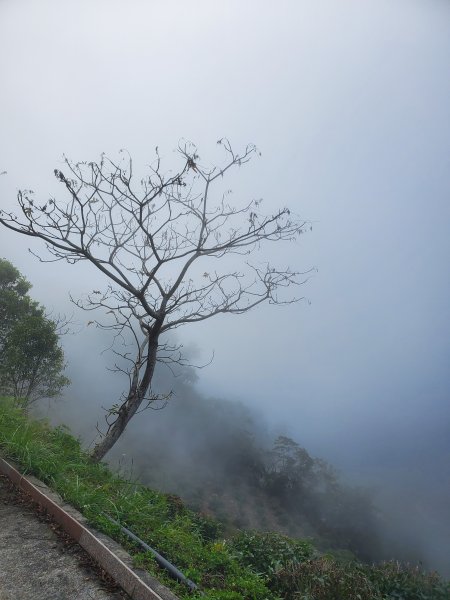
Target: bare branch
[(155, 240)]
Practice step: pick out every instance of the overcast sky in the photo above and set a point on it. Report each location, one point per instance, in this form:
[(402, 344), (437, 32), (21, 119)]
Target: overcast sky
[(348, 101)]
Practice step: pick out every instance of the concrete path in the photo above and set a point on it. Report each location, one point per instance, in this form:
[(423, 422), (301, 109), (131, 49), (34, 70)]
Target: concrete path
[(36, 563)]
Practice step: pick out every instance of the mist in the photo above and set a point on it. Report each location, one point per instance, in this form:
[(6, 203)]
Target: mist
[(192, 448), (349, 104)]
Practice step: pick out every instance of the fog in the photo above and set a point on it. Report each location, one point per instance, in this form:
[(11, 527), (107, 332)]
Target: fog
[(349, 104)]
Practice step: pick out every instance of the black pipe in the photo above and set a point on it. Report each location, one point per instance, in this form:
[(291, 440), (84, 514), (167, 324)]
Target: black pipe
[(162, 562)]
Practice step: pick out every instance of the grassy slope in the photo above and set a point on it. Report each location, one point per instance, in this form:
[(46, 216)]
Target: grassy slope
[(249, 566)]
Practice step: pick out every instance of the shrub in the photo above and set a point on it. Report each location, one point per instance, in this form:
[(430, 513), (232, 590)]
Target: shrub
[(269, 553), (404, 582), (324, 579)]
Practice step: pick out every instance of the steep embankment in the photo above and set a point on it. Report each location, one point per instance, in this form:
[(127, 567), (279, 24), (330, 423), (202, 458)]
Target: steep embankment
[(247, 566)]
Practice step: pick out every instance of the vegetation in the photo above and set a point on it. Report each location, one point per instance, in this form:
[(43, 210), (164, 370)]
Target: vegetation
[(31, 360), (251, 565), (234, 471), (162, 243)]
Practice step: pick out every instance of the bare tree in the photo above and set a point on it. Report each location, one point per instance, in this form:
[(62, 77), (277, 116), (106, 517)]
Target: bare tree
[(154, 240)]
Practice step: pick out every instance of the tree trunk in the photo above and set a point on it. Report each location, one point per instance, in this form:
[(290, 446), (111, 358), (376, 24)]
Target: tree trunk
[(129, 408)]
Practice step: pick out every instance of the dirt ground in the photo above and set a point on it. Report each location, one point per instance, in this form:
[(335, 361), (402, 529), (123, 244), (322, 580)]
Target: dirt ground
[(39, 562)]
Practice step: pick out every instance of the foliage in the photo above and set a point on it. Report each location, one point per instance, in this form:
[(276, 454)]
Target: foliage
[(270, 552), (14, 300), (396, 581), (324, 578), (309, 489), (249, 566), (31, 361)]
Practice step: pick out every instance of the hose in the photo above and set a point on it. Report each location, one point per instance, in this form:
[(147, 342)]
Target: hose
[(162, 562)]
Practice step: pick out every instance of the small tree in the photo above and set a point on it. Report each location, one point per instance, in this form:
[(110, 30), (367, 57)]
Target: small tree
[(31, 361), (156, 243), (14, 300)]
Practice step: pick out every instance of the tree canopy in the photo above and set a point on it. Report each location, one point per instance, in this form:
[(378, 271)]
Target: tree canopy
[(31, 359), (14, 300)]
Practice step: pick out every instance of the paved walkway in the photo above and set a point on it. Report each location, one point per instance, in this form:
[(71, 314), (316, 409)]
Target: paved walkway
[(35, 563)]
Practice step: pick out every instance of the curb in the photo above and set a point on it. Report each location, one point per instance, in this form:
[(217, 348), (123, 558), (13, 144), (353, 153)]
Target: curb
[(105, 551)]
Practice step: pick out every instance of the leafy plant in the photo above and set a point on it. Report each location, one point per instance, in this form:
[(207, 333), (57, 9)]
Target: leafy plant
[(269, 553)]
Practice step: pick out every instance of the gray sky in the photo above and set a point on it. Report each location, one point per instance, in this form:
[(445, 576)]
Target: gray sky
[(349, 103)]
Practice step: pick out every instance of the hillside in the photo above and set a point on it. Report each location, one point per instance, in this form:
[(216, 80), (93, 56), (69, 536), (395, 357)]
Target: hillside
[(219, 457), (247, 565)]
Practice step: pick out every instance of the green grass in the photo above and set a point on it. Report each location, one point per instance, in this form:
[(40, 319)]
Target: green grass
[(249, 566), (186, 539)]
